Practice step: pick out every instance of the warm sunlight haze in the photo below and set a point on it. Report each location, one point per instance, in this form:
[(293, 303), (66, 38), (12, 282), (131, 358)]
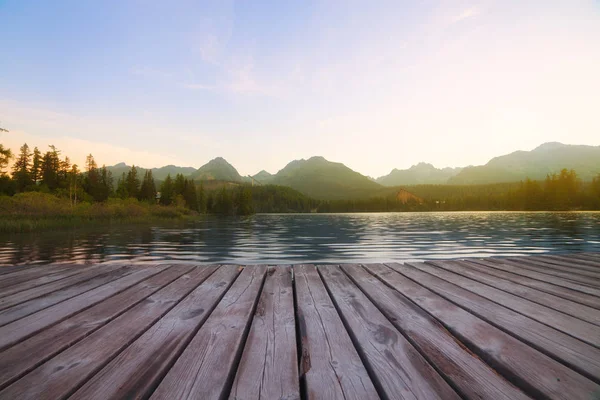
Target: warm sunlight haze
[(376, 86)]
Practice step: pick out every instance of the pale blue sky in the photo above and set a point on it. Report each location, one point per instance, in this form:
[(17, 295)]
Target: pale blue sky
[(376, 85)]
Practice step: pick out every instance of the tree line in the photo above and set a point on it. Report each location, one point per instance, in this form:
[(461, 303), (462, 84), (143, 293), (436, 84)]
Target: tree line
[(33, 171)]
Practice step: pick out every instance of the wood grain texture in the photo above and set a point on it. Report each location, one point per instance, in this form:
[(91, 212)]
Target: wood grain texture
[(206, 368), (582, 262), (555, 280), (559, 268), (330, 365), (591, 258), (559, 291), (397, 368), (38, 291), (138, 369), (23, 328), (23, 309), (30, 279), (17, 360), (582, 330), (63, 374), (571, 308), (503, 349), (466, 372), (269, 365)]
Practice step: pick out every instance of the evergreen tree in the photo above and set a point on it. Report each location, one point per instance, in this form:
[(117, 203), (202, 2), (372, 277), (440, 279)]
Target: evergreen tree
[(148, 189), (105, 187), (21, 169), (244, 201), (189, 194), (92, 177), (201, 199), (167, 191), (51, 169), (122, 187), (179, 185), (36, 166), (5, 156), (133, 182)]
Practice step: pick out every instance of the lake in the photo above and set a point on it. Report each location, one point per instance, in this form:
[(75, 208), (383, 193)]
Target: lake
[(312, 238)]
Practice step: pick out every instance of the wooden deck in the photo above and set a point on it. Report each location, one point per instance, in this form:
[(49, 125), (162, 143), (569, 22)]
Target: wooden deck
[(514, 328)]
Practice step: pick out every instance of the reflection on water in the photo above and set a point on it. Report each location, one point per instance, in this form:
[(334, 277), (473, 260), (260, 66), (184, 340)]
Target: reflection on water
[(332, 238)]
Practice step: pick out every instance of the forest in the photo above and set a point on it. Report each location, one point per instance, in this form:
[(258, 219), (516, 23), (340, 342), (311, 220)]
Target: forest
[(48, 185)]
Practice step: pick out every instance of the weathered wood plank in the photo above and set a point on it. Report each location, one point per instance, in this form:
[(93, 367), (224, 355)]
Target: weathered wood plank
[(397, 368), (466, 372), (62, 375), (557, 268), (559, 291), (7, 269), (575, 261), (512, 358), (23, 328), (330, 365), (519, 298), (594, 258), (509, 267), (570, 351), (138, 369), (24, 281), (206, 368), (21, 310), (549, 270), (30, 273), (269, 365), (38, 291), (16, 361)]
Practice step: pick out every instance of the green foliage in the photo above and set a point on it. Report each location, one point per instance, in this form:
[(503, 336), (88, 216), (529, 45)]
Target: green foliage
[(5, 156), (167, 191), (148, 188)]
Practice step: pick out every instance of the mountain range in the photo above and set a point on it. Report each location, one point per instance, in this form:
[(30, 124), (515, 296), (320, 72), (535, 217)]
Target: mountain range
[(323, 179)]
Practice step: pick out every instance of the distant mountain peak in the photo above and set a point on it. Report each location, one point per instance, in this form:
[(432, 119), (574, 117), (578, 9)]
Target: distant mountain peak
[(120, 165), (549, 146), (217, 169)]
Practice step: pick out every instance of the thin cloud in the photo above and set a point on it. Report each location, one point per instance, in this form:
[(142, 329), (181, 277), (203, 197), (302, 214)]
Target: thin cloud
[(465, 14)]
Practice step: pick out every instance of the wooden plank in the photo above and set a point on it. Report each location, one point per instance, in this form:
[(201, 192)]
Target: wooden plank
[(206, 368), (330, 366), (575, 327), (549, 270), (38, 291), (575, 261), (557, 268), (62, 375), (25, 356), (507, 266), (466, 372), (34, 305), (23, 328), (138, 369), (7, 269), (568, 307), (593, 257), (570, 351), (537, 374), (269, 365), (31, 272), (398, 370), (559, 291), (14, 284)]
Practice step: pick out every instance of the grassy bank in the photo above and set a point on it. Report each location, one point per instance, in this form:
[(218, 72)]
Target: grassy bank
[(34, 211)]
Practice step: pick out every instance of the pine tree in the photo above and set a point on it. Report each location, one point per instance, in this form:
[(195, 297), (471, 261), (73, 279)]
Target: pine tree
[(105, 187), (148, 189), (133, 182), (167, 191), (201, 199), (51, 168), (5, 156), (92, 177), (36, 166), (122, 187), (190, 195), (244, 202), (179, 185), (21, 169)]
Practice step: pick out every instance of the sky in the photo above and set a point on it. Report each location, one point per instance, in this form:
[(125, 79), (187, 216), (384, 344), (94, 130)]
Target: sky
[(375, 84)]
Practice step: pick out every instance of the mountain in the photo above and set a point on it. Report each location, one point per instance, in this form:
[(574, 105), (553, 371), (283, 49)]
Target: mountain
[(419, 174), (535, 164), (157, 173), (322, 179), (263, 177), (217, 169)]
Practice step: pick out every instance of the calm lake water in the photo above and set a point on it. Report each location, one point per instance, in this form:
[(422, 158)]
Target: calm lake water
[(323, 238)]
